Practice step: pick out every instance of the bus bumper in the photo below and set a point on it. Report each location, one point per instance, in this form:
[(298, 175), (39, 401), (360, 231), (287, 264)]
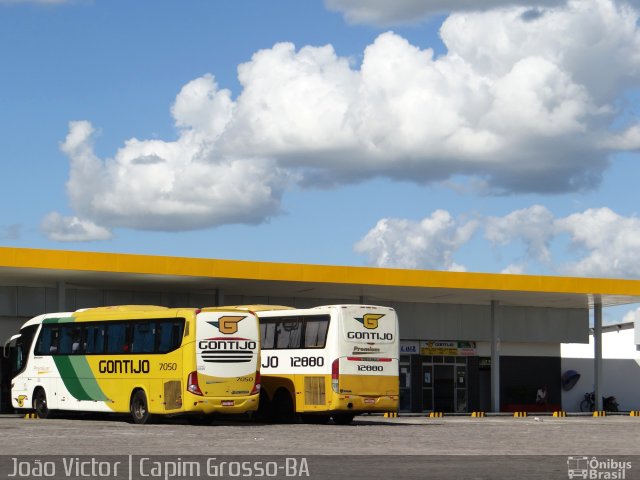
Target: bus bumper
[(364, 404), (225, 405)]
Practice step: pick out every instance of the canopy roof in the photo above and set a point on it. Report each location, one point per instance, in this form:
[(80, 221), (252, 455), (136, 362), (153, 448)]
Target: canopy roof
[(34, 267)]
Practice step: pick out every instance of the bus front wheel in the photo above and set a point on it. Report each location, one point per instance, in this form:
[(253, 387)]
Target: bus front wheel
[(139, 408), (40, 404)]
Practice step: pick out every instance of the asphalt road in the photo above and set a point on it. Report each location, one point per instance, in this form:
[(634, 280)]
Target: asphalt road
[(373, 447)]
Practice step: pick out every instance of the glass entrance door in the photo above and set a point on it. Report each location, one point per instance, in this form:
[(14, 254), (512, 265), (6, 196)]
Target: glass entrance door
[(405, 383), (443, 388), (444, 384)]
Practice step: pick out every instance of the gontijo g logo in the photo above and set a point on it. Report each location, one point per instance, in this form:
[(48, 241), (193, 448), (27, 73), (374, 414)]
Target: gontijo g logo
[(228, 324), (370, 320)]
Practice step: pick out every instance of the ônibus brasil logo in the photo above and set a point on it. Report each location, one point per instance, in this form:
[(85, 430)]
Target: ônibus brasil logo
[(370, 320), (228, 324)]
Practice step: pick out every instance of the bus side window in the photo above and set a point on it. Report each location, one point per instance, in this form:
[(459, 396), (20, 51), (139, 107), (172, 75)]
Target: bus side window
[(94, 339), (144, 337), (267, 334), (48, 340), (117, 338), (178, 327), (289, 333), (70, 340), (315, 332), (169, 335)]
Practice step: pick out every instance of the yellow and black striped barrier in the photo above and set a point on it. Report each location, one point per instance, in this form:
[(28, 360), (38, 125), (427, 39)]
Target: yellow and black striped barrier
[(391, 415), (599, 413), (560, 413), (634, 413), (478, 414), (435, 415), (519, 414), (31, 416)]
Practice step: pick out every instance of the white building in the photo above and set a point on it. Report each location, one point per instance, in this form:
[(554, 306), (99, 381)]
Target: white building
[(621, 367)]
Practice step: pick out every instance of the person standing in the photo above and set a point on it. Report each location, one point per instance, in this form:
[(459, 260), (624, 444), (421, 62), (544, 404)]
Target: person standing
[(542, 396)]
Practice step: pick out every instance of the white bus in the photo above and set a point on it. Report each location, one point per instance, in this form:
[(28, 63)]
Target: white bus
[(327, 362), (144, 360)]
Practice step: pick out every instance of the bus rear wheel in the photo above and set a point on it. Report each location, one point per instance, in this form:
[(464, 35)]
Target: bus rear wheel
[(264, 412), (282, 407), (40, 404), (139, 408), (343, 418), (315, 419)]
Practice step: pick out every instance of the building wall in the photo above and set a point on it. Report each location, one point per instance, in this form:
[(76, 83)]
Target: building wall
[(418, 321), (620, 369), (473, 322)]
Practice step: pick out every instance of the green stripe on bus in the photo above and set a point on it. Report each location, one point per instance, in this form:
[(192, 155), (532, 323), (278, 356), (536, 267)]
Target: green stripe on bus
[(48, 321), (87, 378), (71, 371)]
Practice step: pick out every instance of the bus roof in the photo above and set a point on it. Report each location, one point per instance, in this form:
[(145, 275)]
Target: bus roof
[(252, 308), (38, 320), (124, 308)]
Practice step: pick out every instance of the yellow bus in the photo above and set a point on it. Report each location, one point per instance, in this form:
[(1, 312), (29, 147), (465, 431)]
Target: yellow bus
[(334, 361), (145, 360)]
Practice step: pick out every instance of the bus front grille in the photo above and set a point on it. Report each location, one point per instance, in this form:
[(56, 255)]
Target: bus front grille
[(314, 391), (172, 398)]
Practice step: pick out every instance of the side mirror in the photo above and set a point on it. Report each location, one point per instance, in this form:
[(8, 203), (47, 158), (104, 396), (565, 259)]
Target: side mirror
[(6, 350)]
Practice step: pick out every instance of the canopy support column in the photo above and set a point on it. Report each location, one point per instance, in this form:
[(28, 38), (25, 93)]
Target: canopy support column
[(62, 296), (597, 354), (495, 357), (219, 297)]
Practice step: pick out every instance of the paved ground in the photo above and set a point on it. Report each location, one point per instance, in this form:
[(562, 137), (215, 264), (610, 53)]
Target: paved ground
[(480, 443)]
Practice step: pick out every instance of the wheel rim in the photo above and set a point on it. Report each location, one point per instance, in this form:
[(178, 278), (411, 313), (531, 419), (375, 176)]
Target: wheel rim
[(139, 409)]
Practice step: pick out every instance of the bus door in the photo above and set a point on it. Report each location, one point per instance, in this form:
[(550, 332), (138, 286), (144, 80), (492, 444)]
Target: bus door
[(15, 353), (227, 353)]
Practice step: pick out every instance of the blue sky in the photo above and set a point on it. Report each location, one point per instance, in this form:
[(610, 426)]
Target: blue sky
[(413, 134)]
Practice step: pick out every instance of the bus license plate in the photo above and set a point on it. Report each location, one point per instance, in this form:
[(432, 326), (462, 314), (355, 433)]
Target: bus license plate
[(227, 403), (369, 400)]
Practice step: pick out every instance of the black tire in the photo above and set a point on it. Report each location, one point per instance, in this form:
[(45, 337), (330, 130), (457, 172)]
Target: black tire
[(282, 407), (343, 418), (139, 408), (264, 412), (315, 419), (40, 404)]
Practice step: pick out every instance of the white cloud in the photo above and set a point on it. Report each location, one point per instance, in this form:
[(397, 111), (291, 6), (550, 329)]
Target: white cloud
[(611, 243), (72, 229), (384, 12), (519, 103), (534, 226), (631, 316), (514, 269), (428, 244), (179, 185), (604, 243)]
